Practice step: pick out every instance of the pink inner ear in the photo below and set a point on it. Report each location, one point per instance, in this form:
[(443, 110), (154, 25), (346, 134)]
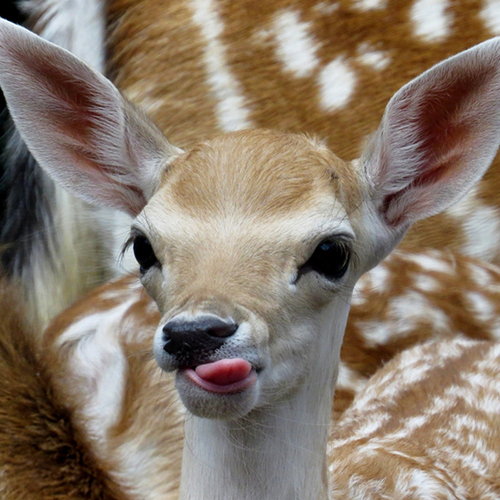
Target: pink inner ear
[(122, 195), (77, 125), (445, 115), (398, 208), (83, 119), (77, 109), (444, 121)]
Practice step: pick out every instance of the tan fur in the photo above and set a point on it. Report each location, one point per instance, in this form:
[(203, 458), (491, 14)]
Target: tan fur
[(426, 426), (229, 245), (297, 165), (156, 47), (150, 411), (297, 179), (42, 455)]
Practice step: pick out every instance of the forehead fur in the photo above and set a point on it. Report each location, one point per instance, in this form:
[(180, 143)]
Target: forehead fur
[(258, 171)]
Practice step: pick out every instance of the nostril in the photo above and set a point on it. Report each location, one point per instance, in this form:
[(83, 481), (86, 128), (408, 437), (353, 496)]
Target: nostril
[(221, 329)]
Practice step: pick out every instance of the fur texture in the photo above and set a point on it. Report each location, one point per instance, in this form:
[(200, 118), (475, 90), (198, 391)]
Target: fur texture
[(446, 293), (426, 426), (52, 243), (319, 67), (279, 263), (42, 456), (217, 251)]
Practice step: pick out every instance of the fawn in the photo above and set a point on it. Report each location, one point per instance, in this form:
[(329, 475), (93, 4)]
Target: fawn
[(251, 244)]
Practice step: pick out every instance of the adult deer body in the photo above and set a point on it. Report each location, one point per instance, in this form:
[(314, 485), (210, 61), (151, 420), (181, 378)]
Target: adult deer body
[(251, 243), (324, 68), (424, 427)]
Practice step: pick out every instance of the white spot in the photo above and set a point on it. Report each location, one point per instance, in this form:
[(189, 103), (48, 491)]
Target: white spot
[(326, 7), (430, 263), (481, 225), (380, 278), (369, 4), (99, 364), (375, 59), (232, 112), (98, 367), (431, 21), (296, 47), (375, 332), (483, 308), (148, 104), (426, 283), (349, 379), (263, 36), (494, 352), (336, 84), (483, 232), (376, 421), (407, 311), (481, 276), (491, 15), (419, 483)]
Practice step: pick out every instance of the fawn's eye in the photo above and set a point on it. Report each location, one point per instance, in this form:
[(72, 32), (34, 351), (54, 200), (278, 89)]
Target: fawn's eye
[(144, 254), (330, 259)]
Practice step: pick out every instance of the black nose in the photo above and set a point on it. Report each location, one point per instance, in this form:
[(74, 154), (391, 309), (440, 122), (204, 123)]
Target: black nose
[(188, 338)]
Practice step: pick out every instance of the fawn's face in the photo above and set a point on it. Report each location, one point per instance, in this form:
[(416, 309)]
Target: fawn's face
[(250, 242)]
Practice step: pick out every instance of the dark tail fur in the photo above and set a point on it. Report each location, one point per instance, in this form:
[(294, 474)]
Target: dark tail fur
[(24, 194)]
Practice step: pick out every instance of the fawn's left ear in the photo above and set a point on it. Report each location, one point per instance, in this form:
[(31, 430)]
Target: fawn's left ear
[(78, 126), (438, 136)]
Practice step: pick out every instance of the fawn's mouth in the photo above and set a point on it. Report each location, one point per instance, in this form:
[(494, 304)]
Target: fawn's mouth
[(226, 376)]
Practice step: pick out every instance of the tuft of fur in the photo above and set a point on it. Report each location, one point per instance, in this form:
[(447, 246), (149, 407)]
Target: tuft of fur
[(41, 454)]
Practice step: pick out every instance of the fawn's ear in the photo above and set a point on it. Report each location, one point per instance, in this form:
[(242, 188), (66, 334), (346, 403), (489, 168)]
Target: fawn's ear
[(438, 136), (78, 126)]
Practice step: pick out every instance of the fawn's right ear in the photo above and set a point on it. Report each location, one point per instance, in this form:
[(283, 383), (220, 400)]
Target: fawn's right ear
[(438, 136), (78, 126)]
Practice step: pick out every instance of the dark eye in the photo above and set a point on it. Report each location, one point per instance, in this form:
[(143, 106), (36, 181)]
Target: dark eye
[(330, 259), (144, 253)]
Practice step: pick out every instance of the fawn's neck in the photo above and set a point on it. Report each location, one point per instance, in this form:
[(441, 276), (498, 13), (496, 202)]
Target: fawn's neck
[(274, 453)]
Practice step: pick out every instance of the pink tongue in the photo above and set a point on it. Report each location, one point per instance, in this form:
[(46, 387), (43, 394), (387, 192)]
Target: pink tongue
[(225, 371)]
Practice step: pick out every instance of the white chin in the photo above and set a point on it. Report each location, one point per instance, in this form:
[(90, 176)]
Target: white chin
[(207, 404)]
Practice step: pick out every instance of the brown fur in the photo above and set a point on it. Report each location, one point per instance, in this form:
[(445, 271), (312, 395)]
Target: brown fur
[(150, 415), (456, 280), (155, 49), (42, 455), (150, 410), (425, 427), (156, 58)]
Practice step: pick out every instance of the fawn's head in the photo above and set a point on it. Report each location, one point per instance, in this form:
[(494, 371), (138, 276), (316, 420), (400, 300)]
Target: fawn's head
[(252, 242)]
